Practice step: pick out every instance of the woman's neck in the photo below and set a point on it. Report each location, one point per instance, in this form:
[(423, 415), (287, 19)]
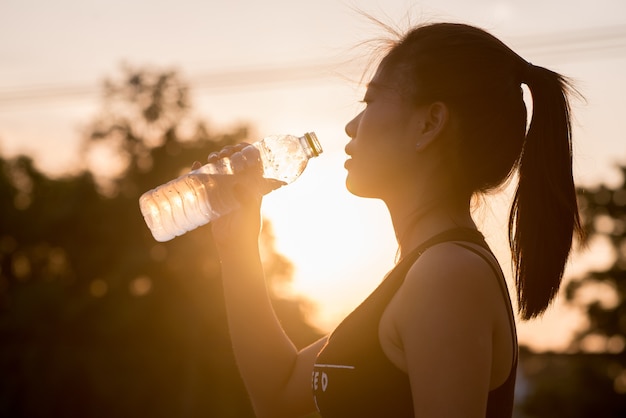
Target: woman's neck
[(415, 225)]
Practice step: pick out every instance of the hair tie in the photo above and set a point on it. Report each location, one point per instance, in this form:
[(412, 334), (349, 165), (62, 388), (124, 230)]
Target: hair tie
[(526, 70)]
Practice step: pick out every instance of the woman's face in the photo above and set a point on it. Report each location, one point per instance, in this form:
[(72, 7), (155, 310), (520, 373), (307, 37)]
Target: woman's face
[(382, 148)]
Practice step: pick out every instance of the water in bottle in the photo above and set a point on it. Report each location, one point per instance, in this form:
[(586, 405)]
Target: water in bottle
[(203, 195)]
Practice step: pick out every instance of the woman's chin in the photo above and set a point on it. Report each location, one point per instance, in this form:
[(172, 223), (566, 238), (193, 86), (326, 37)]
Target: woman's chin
[(358, 190)]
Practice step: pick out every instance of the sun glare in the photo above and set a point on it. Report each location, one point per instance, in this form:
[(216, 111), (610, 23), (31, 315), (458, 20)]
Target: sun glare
[(341, 245)]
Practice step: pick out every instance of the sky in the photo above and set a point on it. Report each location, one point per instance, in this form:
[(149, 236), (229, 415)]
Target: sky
[(55, 55)]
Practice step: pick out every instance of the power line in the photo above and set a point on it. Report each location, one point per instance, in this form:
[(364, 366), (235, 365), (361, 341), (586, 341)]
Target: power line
[(45, 93), (574, 44), (225, 79), (262, 76)]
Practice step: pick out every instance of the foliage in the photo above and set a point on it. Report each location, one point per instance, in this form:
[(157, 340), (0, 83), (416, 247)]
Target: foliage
[(604, 212), (569, 385), (96, 318)]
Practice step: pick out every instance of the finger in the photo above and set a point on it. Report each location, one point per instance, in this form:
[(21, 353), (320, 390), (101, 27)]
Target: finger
[(252, 159), (212, 157), (269, 185), (229, 150), (196, 165), (225, 152)]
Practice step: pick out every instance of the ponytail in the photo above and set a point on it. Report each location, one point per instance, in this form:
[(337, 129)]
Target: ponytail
[(544, 214)]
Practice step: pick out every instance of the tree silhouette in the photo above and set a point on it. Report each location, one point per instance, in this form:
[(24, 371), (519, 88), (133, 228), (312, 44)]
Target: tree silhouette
[(96, 318), (604, 212)]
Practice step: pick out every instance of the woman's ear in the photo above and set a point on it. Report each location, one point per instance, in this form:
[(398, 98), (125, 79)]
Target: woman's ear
[(433, 120)]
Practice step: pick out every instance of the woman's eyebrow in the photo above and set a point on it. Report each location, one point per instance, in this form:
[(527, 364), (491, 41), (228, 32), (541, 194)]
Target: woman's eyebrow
[(374, 85)]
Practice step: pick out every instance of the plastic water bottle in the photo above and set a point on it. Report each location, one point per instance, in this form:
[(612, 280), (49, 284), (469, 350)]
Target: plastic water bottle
[(205, 194)]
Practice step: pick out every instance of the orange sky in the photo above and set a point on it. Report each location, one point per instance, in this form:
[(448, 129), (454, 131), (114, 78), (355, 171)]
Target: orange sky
[(70, 45)]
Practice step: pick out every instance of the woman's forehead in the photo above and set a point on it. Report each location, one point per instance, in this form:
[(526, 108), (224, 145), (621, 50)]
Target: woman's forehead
[(381, 81), (385, 83)]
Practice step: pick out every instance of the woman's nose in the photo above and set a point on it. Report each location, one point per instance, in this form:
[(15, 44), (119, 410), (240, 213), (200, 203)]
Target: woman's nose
[(351, 127)]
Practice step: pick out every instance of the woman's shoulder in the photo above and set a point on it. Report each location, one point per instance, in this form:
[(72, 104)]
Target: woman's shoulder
[(450, 273), (450, 261)]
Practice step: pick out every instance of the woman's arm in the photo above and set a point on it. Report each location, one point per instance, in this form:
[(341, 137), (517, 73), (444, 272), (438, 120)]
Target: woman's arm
[(277, 375)]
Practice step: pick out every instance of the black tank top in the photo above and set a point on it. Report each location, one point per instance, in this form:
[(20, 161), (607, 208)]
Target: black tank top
[(353, 377)]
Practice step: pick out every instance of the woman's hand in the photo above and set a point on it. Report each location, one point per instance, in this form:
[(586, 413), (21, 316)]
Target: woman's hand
[(241, 227)]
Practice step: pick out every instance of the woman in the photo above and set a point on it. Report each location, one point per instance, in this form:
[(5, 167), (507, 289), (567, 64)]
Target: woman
[(444, 120)]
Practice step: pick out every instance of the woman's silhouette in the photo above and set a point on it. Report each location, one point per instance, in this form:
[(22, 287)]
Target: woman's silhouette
[(444, 120)]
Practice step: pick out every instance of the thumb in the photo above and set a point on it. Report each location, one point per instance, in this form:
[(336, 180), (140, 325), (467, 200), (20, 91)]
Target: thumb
[(248, 195), (268, 185)]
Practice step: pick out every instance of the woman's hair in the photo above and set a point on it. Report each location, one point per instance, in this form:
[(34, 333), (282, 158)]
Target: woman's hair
[(479, 79)]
